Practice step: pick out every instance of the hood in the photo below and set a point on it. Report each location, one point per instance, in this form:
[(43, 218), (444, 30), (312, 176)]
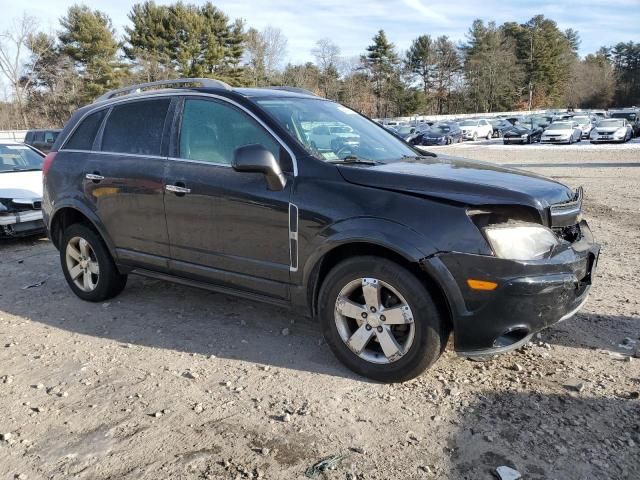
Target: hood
[(27, 185), (609, 129), (517, 130), (561, 131), (435, 134), (463, 181)]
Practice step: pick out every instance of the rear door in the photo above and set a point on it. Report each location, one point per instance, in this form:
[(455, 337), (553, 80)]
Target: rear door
[(124, 180), (226, 227)]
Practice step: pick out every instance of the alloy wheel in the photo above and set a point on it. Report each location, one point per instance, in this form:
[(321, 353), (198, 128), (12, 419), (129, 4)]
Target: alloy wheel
[(374, 320), (82, 264)]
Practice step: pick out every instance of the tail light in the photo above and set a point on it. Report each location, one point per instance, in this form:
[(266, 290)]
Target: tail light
[(48, 161)]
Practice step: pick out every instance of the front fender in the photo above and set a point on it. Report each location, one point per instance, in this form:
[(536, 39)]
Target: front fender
[(375, 231)]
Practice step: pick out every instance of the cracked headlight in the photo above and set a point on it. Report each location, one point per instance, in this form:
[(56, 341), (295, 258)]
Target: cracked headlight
[(521, 242)]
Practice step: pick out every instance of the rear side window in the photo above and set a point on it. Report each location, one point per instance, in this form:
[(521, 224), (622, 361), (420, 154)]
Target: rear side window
[(84, 135), (136, 127)]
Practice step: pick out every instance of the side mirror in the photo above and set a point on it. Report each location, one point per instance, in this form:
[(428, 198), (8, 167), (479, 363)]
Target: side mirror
[(257, 159)]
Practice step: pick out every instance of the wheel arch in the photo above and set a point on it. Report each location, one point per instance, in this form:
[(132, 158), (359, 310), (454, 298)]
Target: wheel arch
[(358, 248), (69, 214)]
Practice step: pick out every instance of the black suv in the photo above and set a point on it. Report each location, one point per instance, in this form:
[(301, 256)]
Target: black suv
[(389, 247), (43, 140)]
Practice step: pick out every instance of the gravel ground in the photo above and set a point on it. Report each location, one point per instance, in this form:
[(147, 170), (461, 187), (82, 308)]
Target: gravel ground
[(170, 382)]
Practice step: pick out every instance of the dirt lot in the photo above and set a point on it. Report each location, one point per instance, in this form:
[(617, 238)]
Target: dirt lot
[(172, 382)]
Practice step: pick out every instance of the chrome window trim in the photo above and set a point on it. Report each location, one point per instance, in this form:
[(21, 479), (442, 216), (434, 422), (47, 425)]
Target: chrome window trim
[(135, 155), (119, 101), (200, 162)]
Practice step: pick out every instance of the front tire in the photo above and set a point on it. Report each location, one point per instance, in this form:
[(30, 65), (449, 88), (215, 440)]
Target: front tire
[(380, 320), (88, 266)]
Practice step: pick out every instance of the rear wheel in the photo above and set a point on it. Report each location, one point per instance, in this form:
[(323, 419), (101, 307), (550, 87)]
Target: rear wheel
[(88, 266), (380, 320), (489, 135)]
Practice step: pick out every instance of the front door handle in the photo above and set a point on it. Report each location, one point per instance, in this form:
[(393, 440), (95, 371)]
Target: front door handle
[(179, 189), (94, 177)]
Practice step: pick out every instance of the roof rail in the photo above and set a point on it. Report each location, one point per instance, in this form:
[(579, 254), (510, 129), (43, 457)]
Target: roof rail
[(294, 90), (205, 82)]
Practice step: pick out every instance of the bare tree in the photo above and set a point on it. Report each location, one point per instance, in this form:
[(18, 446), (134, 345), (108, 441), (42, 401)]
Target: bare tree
[(13, 44), (265, 52), (327, 54)]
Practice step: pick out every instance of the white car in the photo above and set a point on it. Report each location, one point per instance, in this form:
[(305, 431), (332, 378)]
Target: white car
[(612, 130), (586, 124), (20, 190), (475, 129), (562, 132)]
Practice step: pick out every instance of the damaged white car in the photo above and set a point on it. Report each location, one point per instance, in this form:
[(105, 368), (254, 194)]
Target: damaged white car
[(20, 190)]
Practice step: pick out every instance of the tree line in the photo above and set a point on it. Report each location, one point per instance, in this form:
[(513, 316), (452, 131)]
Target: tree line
[(504, 67)]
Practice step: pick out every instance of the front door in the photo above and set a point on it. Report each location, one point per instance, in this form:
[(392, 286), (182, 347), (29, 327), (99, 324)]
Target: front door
[(225, 227)]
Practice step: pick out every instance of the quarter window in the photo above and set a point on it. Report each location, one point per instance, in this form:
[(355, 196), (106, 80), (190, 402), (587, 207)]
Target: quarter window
[(211, 131), (85, 134), (136, 127)]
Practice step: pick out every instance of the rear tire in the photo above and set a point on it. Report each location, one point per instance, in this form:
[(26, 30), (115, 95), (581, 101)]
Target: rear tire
[(88, 266), (344, 309)]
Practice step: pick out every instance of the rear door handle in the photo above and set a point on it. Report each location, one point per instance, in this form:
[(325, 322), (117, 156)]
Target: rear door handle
[(95, 177), (177, 189)]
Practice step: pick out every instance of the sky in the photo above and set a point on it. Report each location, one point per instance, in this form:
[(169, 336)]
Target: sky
[(352, 23)]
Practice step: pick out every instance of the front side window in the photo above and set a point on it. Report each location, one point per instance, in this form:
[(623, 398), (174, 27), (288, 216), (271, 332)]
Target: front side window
[(211, 131), (136, 127), (349, 133)]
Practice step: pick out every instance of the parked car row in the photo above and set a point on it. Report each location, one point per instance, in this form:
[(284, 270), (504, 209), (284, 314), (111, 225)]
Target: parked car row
[(551, 127)]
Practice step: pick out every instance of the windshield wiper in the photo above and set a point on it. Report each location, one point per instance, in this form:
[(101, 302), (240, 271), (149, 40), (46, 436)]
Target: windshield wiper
[(350, 159)]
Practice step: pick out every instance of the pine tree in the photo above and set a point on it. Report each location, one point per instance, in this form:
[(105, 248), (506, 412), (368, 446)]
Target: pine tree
[(421, 61), (382, 61), (88, 38), (494, 78)]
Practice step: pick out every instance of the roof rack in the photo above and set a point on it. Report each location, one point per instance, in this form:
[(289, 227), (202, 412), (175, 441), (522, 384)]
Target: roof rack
[(205, 82), (294, 90)]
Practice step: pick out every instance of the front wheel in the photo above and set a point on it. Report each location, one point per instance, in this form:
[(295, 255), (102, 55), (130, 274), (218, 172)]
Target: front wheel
[(380, 320), (88, 266), (475, 137)]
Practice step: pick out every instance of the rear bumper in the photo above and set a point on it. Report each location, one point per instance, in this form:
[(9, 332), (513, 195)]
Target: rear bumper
[(530, 295)]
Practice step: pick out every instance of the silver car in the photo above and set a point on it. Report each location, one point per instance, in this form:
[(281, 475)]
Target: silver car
[(612, 130), (562, 132)]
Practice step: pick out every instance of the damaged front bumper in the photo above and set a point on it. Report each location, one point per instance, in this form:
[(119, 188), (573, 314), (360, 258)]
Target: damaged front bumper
[(16, 224), (531, 295)]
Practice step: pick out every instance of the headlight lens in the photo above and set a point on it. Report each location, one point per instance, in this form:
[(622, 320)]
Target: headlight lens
[(521, 242), (524, 135)]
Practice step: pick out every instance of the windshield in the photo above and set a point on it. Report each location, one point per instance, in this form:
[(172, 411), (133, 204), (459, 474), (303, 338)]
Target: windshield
[(611, 123), (582, 120), (441, 129), (17, 158), (559, 126), (469, 123), (628, 115), (404, 130), (311, 122)]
